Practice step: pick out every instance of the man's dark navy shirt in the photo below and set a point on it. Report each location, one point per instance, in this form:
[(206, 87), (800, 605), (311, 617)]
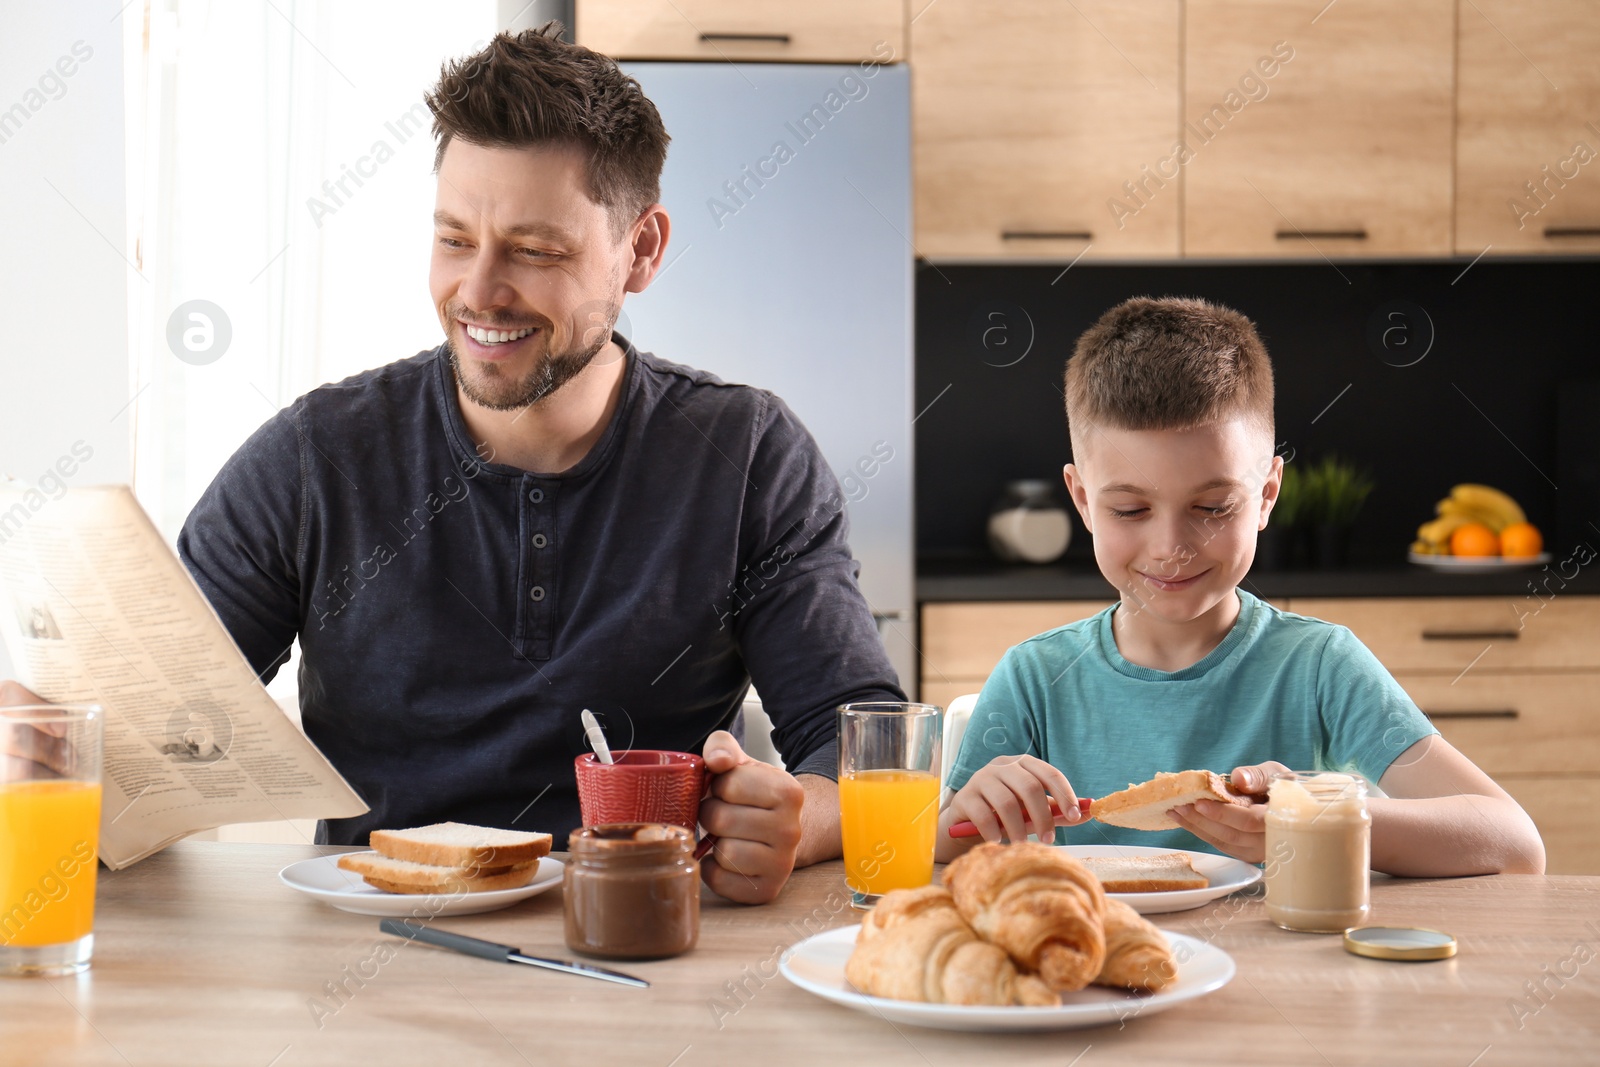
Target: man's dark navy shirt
[(455, 614)]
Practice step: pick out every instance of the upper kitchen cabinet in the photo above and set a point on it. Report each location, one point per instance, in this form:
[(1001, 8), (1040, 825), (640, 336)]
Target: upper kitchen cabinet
[(820, 31), (1529, 98), (1045, 129), (1318, 128)]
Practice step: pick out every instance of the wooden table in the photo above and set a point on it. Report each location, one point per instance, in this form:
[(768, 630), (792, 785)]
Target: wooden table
[(203, 957)]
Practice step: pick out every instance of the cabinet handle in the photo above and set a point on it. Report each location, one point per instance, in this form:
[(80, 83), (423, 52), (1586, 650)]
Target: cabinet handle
[(775, 38), (1349, 235), (1469, 635), (1045, 235), (1572, 231), (1476, 713)]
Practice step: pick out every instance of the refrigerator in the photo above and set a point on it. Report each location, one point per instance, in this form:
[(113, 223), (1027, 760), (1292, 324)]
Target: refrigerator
[(789, 267)]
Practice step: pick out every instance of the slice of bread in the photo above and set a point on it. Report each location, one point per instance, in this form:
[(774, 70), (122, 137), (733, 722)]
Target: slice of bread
[(1146, 874), (455, 844), (403, 876), (1145, 806)]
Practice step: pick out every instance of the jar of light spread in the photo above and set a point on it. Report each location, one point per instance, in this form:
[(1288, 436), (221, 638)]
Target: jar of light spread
[(632, 891), (1319, 851)]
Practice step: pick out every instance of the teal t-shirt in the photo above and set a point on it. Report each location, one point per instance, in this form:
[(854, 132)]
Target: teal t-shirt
[(1280, 686)]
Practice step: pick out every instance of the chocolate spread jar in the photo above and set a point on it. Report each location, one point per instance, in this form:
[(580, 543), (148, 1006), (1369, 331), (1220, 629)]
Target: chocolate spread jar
[(632, 891)]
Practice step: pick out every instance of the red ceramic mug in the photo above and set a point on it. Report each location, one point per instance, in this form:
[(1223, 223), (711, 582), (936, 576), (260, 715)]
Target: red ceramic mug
[(641, 785)]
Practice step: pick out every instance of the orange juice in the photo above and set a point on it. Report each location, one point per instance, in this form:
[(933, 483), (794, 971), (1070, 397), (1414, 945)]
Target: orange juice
[(49, 831), (889, 819)]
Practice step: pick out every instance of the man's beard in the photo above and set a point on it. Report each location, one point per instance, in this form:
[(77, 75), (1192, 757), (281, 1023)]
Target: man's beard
[(492, 389)]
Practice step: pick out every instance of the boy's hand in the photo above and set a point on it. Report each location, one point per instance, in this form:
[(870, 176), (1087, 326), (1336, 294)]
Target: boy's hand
[(1006, 794), (1239, 831)]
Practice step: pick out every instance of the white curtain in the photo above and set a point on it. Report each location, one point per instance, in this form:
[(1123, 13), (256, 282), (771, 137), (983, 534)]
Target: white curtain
[(280, 162), (280, 170)]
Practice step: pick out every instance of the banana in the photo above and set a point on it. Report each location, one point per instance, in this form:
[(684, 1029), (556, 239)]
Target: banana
[(1439, 530), (1455, 509), (1496, 509)]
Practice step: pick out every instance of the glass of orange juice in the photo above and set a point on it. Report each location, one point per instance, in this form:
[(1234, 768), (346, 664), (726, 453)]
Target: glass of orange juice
[(49, 836), (889, 762)]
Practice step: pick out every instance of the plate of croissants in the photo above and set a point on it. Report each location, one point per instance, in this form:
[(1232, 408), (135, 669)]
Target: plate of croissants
[(1019, 937)]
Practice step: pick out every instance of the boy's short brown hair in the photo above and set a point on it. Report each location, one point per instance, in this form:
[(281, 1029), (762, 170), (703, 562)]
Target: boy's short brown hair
[(532, 88), (1167, 364)]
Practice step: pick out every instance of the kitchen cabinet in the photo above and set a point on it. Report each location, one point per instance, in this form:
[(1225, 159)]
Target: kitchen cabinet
[(1450, 634), (1514, 722), (1345, 151), (1516, 690), (1159, 129), (1528, 103), (961, 643), (822, 31), (1030, 116)]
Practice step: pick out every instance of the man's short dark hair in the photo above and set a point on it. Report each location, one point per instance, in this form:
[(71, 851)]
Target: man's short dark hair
[(532, 88)]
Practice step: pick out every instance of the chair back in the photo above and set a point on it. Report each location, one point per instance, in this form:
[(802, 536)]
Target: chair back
[(955, 728)]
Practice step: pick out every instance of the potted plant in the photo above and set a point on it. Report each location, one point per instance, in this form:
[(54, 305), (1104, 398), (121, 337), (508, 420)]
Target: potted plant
[(1334, 494)]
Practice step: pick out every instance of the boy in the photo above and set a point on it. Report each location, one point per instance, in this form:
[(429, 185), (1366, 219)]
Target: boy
[(1169, 407)]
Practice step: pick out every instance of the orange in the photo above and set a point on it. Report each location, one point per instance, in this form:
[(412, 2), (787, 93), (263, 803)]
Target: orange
[(1521, 539), (1474, 539)]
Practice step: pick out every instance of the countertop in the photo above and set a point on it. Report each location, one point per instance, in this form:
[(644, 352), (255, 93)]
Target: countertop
[(979, 578)]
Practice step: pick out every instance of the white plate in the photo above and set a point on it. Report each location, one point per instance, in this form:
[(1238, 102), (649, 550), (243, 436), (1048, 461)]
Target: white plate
[(1227, 875), (1478, 564), (817, 966), (324, 879)]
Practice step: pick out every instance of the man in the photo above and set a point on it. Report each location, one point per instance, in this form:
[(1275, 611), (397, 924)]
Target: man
[(478, 542)]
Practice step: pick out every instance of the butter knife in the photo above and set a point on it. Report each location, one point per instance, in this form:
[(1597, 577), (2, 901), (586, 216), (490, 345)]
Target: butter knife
[(473, 946)]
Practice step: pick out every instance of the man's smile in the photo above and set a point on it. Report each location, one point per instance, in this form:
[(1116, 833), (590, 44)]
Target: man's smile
[(478, 333), (487, 343)]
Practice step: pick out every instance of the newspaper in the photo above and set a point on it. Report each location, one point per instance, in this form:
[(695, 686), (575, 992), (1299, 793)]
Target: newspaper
[(95, 607)]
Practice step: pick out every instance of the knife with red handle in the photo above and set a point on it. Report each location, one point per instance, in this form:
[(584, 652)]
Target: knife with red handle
[(965, 828)]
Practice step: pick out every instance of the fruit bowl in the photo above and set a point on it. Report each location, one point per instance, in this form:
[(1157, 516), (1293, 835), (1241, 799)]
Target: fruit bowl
[(1478, 564), (1478, 530)]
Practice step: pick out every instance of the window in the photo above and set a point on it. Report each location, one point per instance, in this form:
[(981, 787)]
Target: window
[(281, 192)]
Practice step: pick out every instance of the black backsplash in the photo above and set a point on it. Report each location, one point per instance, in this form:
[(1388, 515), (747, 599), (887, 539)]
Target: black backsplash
[(1481, 406)]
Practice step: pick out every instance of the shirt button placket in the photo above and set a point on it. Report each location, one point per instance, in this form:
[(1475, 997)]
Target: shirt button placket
[(541, 571)]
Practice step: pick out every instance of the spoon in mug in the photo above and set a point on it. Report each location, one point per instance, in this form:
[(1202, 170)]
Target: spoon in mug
[(596, 736)]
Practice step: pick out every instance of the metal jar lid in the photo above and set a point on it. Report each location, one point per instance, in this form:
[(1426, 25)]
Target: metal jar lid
[(1399, 943)]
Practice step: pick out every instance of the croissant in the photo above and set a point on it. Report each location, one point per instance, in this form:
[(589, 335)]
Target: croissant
[(916, 946), (1137, 956), (1039, 904), (901, 905)]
